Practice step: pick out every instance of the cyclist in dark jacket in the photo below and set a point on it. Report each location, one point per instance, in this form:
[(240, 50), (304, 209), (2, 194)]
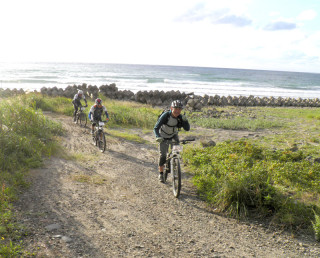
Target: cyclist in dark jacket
[(96, 112), (166, 128), (77, 103)]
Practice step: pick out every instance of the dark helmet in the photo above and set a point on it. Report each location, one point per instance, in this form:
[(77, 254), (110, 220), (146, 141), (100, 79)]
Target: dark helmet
[(98, 102), (177, 104)]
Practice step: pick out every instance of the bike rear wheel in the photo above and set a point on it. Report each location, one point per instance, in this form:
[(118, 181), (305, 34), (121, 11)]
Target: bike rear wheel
[(176, 176), (83, 119), (101, 141)]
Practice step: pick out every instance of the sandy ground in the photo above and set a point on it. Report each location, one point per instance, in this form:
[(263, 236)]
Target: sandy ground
[(112, 205)]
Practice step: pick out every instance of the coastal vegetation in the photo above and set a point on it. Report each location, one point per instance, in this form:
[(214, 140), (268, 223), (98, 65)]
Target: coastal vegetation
[(26, 136), (274, 177)]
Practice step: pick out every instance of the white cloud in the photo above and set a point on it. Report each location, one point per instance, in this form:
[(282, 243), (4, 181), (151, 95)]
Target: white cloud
[(307, 15), (180, 32), (280, 25)]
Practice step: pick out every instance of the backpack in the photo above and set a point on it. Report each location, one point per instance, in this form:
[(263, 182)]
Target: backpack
[(168, 116)]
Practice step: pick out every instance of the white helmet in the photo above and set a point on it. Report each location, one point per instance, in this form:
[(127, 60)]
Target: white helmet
[(80, 92), (177, 104)]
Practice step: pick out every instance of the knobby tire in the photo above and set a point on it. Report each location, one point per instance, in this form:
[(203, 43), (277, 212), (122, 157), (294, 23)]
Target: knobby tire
[(83, 119), (101, 141), (94, 138), (176, 176)]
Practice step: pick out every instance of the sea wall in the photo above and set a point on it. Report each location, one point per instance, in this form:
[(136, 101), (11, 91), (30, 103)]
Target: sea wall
[(161, 98)]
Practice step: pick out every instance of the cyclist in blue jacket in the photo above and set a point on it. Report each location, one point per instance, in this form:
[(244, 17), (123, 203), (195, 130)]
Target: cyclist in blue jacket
[(96, 112), (166, 128)]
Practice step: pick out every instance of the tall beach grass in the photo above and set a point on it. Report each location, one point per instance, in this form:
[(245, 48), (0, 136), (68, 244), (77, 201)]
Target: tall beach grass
[(25, 137)]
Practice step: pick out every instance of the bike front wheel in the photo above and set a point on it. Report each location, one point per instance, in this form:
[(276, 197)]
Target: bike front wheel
[(101, 141), (83, 119), (176, 176), (166, 170)]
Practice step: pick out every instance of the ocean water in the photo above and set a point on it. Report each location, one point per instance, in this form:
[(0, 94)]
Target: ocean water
[(200, 80)]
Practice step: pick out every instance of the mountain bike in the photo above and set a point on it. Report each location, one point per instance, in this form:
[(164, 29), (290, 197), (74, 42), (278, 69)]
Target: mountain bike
[(172, 164), (81, 116), (98, 137)]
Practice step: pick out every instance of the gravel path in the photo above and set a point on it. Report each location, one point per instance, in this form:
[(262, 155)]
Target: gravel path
[(112, 205)]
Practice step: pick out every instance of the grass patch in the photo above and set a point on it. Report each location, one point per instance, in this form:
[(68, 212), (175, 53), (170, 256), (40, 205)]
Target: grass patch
[(255, 118), (25, 137), (238, 123), (131, 114), (127, 135), (316, 227), (241, 177), (89, 179), (60, 105), (121, 113), (83, 157)]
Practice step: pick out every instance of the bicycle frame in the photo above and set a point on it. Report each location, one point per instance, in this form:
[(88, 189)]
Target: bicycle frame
[(175, 148), (99, 136), (172, 164), (100, 126), (81, 117), (81, 110)]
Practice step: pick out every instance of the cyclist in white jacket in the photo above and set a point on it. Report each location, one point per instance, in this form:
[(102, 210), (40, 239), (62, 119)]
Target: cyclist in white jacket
[(77, 103)]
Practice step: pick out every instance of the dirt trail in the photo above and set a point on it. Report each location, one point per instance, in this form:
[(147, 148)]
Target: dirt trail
[(112, 205)]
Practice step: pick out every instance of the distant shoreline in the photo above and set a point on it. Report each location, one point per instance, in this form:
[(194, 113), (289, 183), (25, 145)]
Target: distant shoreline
[(200, 80), (162, 98)]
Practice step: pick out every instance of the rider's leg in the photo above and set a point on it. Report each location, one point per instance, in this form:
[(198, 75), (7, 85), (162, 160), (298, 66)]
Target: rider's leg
[(75, 106), (176, 138), (92, 127), (163, 149)]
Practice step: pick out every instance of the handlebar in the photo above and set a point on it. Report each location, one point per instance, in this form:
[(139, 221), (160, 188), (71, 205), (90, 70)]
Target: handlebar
[(184, 141)]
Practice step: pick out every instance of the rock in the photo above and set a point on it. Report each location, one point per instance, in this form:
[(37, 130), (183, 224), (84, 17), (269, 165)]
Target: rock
[(53, 227), (208, 143), (66, 239)]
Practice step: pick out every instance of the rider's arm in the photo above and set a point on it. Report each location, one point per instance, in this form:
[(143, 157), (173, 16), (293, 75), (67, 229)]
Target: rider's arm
[(185, 124), (162, 119), (84, 98), (91, 112), (105, 111)]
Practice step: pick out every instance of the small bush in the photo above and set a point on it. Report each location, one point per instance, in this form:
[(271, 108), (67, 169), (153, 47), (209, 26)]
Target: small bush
[(235, 123), (316, 227), (239, 177), (25, 136)]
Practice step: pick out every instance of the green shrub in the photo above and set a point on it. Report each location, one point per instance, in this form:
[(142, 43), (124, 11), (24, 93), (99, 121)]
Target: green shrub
[(235, 123), (316, 227), (121, 113), (240, 176), (129, 114), (45, 103), (25, 136)]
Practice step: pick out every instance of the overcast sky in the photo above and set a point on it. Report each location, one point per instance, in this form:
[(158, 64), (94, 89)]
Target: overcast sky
[(253, 34)]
